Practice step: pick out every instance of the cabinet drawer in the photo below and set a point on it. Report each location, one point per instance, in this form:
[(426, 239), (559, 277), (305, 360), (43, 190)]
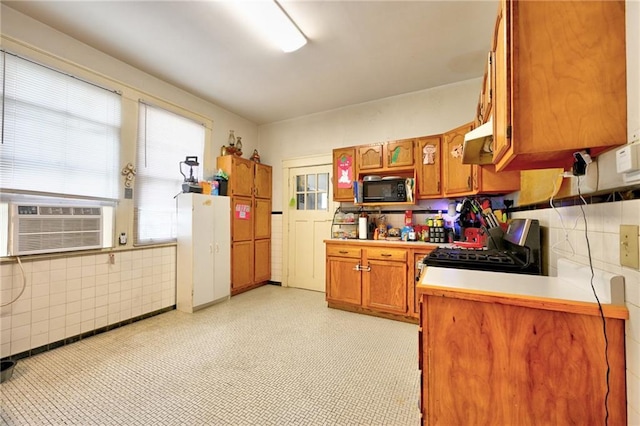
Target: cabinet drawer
[(387, 254), (342, 251)]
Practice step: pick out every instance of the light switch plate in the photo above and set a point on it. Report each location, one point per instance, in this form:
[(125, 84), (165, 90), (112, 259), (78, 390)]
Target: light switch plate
[(629, 256)]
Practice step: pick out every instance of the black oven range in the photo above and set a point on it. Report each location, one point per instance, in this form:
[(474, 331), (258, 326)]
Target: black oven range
[(517, 251)]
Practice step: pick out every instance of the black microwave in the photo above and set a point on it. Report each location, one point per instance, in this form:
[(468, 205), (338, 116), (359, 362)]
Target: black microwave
[(385, 190)]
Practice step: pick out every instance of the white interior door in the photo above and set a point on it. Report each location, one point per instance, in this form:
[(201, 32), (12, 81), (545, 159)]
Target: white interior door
[(310, 215)]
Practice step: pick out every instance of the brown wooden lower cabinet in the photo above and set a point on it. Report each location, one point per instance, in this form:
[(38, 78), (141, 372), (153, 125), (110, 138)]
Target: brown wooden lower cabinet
[(373, 278), (384, 280), (251, 264), (496, 363), (262, 260), (343, 277), (242, 265)]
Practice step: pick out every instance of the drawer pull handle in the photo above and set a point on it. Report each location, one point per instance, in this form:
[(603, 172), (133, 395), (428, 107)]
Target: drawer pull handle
[(343, 252), (386, 255)]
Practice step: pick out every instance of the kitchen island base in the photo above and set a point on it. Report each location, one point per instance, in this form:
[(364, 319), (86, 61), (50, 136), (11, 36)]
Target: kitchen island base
[(484, 361)]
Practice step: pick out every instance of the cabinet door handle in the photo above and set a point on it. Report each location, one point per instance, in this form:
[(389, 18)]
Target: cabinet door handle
[(357, 267), (366, 268), (438, 190), (469, 182)]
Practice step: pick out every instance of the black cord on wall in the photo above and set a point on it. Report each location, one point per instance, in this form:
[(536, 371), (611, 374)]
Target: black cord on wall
[(604, 321)]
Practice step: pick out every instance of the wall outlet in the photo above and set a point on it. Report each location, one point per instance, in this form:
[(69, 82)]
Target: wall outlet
[(629, 256)]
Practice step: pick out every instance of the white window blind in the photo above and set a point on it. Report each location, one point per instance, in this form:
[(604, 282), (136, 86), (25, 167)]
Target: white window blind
[(164, 139), (60, 135)]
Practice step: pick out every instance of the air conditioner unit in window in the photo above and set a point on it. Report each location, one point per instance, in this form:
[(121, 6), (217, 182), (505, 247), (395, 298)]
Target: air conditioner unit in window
[(49, 229)]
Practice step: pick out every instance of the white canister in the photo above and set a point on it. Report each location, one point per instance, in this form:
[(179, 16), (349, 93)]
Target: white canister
[(362, 228)]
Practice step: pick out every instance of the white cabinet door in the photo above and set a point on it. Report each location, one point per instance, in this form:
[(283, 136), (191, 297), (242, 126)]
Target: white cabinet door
[(222, 247), (203, 255)]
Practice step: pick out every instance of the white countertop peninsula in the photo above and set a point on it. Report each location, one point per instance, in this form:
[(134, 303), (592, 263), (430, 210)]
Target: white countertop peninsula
[(503, 348), (569, 291)]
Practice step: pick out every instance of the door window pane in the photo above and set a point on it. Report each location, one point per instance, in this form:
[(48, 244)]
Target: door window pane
[(311, 201), (323, 201), (311, 182), (312, 191), (300, 183), (323, 182)]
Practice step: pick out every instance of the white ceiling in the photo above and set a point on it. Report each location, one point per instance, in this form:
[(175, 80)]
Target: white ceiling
[(358, 51)]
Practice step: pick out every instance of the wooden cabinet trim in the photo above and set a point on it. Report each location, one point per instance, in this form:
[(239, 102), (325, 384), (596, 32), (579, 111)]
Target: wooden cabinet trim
[(386, 254), (343, 251)]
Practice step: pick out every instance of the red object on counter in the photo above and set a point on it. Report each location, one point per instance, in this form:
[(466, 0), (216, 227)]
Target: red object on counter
[(467, 244), (408, 217), (475, 235)]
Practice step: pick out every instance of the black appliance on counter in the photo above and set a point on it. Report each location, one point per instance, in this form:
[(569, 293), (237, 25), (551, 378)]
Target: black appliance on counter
[(517, 251)]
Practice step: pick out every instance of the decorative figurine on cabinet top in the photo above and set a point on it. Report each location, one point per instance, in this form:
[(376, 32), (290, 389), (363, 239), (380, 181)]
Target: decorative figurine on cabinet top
[(232, 138), (235, 145), (255, 156)]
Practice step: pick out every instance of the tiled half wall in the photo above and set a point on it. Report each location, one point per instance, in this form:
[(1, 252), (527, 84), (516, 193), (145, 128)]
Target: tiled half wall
[(69, 296)]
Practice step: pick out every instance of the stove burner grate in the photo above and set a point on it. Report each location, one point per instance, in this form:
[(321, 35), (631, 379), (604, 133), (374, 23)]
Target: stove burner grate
[(486, 256)]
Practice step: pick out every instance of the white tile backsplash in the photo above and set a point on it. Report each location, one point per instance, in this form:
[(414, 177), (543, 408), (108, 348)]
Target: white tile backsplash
[(71, 295), (603, 225), (276, 248)]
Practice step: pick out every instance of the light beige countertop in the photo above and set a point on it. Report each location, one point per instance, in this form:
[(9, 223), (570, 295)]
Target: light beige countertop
[(569, 291), (390, 243)]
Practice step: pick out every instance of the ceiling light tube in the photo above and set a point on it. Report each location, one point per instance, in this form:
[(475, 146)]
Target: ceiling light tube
[(268, 17)]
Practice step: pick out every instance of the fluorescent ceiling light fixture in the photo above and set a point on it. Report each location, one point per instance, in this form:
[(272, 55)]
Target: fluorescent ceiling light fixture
[(272, 22)]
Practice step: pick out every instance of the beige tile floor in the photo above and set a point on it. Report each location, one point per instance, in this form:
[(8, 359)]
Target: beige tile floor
[(271, 356)]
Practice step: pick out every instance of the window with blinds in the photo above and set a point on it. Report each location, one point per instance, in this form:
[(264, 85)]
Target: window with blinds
[(60, 134), (164, 140)]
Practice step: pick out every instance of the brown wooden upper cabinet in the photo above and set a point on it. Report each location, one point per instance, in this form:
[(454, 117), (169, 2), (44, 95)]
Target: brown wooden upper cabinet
[(470, 179), (344, 173), (485, 100), (458, 177), (387, 155), (262, 181), (560, 81), (241, 175), (428, 166)]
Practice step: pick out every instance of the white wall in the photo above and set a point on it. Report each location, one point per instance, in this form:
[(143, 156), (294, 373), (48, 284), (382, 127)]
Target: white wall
[(420, 113), (24, 35)]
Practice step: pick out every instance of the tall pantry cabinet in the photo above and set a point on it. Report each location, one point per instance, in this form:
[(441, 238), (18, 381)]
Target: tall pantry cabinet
[(249, 187), (203, 253)]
